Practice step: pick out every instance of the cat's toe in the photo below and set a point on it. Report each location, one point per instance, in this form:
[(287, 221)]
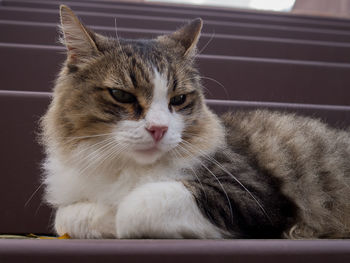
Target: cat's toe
[(85, 221)]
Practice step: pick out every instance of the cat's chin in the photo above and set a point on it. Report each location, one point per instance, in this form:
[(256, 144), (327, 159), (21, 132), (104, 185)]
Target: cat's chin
[(147, 156)]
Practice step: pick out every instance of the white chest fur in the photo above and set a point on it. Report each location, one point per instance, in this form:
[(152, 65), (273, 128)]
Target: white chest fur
[(66, 185), (134, 203)]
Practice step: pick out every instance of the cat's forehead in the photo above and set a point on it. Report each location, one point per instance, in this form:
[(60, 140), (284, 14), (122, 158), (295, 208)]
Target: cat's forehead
[(143, 82), (138, 65), (145, 53)]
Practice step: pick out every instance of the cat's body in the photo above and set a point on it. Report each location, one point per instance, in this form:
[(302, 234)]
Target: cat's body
[(133, 151)]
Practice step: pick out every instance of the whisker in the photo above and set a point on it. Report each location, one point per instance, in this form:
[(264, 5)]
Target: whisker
[(99, 135), (96, 154), (87, 148), (195, 174), (33, 194), (107, 153), (118, 41), (217, 82), (113, 154), (202, 86), (89, 136), (107, 140), (220, 84), (38, 208), (211, 159), (217, 179), (208, 42)]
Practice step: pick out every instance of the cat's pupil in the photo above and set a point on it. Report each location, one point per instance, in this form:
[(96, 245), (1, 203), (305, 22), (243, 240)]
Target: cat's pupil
[(178, 100), (122, 96)]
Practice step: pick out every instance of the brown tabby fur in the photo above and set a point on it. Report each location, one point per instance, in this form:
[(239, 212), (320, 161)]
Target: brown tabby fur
[(296, 167), (309, 158)]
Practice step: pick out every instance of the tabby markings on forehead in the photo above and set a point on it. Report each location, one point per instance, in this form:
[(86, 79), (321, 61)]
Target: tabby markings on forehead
[(133, 79), (175, 83), (112, 82)]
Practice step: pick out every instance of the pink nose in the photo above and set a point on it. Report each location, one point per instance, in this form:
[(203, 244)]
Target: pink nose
[(157, 132)]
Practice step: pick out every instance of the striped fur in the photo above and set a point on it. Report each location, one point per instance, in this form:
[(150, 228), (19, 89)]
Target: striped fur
[(254, 174)]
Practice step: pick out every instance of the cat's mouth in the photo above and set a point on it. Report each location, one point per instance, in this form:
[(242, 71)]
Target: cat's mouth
[(151, 150)]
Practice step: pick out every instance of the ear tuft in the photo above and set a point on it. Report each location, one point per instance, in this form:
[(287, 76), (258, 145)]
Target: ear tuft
[(78, 40), (187, 36)]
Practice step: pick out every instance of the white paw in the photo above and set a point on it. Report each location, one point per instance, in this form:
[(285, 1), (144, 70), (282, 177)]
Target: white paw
[(162, 210), (85, 220)]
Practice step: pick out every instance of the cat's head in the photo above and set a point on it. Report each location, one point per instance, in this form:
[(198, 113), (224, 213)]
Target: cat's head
[(139, 100)]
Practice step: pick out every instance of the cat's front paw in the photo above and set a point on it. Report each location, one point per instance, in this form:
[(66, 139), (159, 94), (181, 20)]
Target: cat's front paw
[(86, 220), (162, 210)]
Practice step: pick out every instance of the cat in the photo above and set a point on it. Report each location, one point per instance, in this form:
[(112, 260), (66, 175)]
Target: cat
[(133, 151)]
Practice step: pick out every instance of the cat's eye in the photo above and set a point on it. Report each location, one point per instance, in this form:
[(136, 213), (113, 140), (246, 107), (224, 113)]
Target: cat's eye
[(122, 96), (178, 100)]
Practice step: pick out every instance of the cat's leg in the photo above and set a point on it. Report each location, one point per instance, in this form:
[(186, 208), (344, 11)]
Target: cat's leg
[(162, 210), (86, 220)]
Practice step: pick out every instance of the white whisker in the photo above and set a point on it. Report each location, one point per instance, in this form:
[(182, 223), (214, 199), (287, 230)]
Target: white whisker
[(96, 155), (88, 148), (195, 174), (90, 136), (208, 42), (217, 179), (113, 153), (33, 194), (211, 159), (118, 41), (220, 84), (202, 87)]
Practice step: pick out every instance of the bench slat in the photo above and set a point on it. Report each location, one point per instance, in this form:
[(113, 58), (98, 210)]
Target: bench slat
[(241, 17), (166, 23), (46, 34)]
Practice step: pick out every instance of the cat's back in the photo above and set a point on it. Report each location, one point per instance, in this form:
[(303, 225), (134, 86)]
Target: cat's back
[(277, 138), (310, 159)]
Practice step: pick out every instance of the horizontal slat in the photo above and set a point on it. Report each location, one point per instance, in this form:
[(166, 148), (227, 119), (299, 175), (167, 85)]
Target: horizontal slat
[(222, 10), (173, 251), (168, 23), (238, 78), (46, 34), (185, 14)]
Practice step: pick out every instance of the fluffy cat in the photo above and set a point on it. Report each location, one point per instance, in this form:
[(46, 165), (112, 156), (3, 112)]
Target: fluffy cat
[(134, 152)]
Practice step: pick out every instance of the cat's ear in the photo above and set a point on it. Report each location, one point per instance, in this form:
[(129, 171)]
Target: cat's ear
[(186, 38), (78, 39)]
